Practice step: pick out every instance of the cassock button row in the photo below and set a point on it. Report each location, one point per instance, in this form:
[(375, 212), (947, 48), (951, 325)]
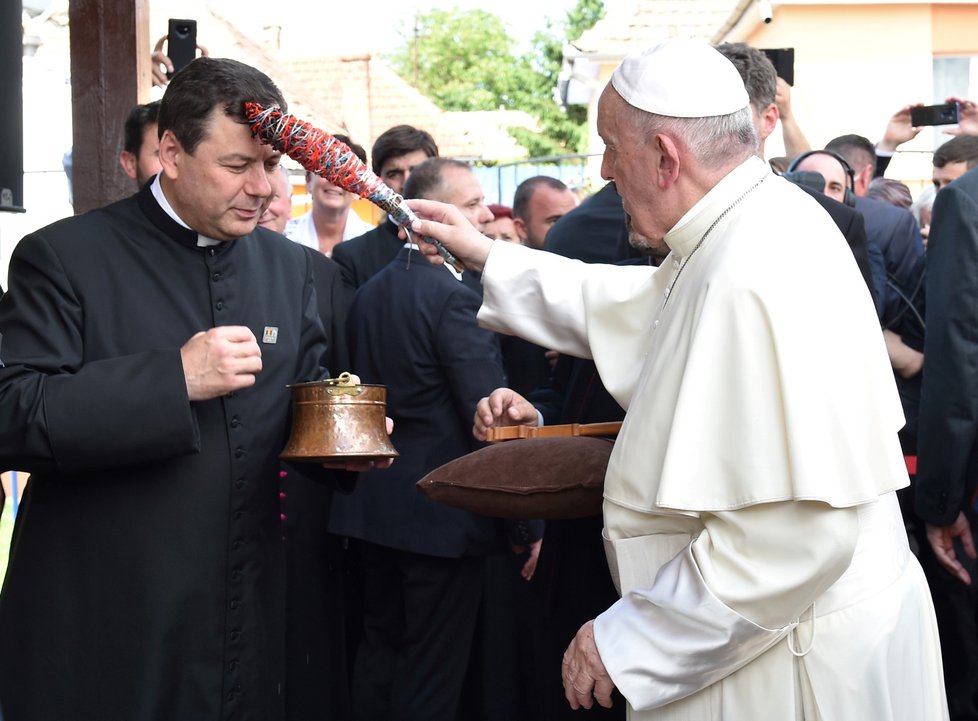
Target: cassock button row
[(655, 324), (235, 422), (219, 305), (235, 545), (216, 277), (239, 453), (232, 664), (235, 575), (235, 603), (234, 635), (239, 483)]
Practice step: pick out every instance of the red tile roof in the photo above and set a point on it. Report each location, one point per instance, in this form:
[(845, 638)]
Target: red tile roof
[(367, 97)]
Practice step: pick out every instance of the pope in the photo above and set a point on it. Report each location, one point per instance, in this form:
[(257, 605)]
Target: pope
[(750, 518)]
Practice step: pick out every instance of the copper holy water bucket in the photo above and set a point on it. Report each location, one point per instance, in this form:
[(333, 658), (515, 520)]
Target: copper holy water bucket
[(338, 420)]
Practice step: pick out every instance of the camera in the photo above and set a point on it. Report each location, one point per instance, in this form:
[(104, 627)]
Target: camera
[(946, 114), (766, 10), (181, 43), (783, 60)]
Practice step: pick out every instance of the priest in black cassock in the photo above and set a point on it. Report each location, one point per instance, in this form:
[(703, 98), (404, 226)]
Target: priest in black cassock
[(146, 351)]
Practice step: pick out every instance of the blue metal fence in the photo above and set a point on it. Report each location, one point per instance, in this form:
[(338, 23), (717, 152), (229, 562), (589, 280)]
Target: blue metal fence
[(499, 181)]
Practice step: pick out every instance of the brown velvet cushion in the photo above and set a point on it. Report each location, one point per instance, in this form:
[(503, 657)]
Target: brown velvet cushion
[(548, 478)]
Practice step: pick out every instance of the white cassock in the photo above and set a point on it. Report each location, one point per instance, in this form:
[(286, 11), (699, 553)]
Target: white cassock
[(750, 517)]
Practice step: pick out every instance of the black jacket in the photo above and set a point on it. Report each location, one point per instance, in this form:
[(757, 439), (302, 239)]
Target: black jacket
[(413, 328), (145, 580), (363, 257), (947, 434)]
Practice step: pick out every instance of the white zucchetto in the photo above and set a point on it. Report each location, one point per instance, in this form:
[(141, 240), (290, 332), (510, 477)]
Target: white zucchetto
[(681, 78)]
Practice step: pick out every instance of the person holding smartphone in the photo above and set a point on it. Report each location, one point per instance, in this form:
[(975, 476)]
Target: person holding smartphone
[(163, 65), (900, 129)]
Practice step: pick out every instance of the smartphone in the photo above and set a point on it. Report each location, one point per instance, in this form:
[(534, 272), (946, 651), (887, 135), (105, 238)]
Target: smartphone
[(181, 43), (783, 60), (946, 114)]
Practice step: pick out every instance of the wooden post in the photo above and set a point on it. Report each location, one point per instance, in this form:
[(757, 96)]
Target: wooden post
[(110, 72), (11, 98)]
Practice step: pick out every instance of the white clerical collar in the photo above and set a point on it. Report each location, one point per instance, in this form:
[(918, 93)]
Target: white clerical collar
[(685, 234), (451, 269), (202, 240)]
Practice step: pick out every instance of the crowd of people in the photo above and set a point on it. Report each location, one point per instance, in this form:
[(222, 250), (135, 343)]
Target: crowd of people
[(788, 526)]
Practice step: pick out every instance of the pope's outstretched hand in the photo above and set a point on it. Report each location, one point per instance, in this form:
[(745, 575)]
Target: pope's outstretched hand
[(446, 224)]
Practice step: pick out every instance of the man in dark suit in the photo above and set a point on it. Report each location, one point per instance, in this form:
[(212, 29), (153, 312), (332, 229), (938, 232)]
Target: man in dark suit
[(893, 229), (146, 580), (538, 203), (412, 327), (395, 153), (954, 158), (947, 440)]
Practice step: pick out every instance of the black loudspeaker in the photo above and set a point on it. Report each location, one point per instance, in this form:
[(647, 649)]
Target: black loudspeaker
[(11, 107), (850, 196)]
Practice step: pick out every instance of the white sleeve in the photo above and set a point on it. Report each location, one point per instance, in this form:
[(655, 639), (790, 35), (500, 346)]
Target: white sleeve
[(729, 596), (520, 298), (555, 302)]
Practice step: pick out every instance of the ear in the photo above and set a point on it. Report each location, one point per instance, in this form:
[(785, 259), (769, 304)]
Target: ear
[(768, 119), (863, 178), (128, 162), (520, 228), (171, 152), (668, 160)]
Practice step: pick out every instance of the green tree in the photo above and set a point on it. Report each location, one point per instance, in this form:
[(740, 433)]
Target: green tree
[(583, 16), (464, 60)]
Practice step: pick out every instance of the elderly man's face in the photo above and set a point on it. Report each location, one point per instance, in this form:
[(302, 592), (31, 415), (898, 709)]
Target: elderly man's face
[(279, 210), (629, 160), (463, 190)]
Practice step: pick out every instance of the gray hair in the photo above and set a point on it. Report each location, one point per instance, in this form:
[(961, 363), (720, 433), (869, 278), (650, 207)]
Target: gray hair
[(923, 202), (714, 141)]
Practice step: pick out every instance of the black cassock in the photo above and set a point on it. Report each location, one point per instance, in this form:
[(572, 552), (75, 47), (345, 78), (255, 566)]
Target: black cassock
[(146, 575)]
